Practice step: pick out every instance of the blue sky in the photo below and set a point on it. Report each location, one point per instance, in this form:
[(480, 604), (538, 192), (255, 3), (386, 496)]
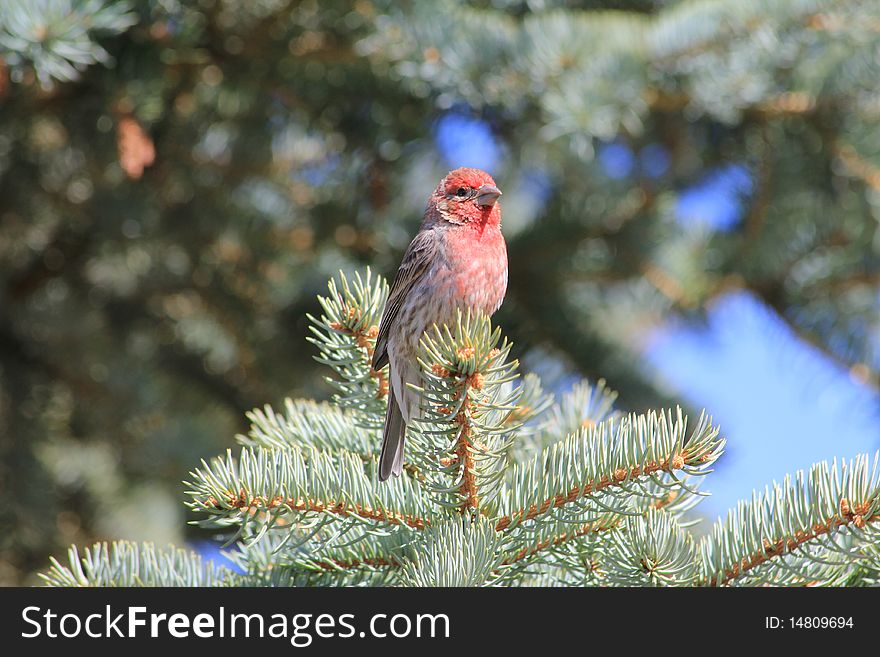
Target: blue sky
[(781, 403), (464, 141)]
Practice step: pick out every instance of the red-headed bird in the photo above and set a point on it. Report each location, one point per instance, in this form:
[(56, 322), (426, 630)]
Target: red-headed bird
[(457, 260)]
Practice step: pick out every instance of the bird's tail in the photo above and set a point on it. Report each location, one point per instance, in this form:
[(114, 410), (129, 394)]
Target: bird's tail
[(393, 438)]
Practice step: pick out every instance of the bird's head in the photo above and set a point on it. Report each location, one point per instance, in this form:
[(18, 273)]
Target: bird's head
[(468, 197)]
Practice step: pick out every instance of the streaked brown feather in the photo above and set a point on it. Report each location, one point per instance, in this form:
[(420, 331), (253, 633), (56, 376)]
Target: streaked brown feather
[(416, 261)]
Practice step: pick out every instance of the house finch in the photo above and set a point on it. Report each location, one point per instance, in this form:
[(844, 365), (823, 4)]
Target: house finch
[(457, 260)]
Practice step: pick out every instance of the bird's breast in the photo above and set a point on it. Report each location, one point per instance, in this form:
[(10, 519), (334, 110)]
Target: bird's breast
[(464, 275), (477, 269)]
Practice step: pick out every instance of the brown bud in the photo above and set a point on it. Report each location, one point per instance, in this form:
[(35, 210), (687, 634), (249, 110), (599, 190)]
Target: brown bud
[(476, 381)]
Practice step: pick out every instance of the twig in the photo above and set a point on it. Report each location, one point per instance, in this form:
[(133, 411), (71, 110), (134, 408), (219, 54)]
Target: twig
[(618, 478), (788, 544), (243, 501)]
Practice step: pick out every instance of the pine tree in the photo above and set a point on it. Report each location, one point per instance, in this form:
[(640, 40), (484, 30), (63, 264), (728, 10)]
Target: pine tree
[(179, 179), (504, 486)]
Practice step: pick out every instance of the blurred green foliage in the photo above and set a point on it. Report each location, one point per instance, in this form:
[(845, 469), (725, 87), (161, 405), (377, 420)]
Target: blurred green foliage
[(179, 179)]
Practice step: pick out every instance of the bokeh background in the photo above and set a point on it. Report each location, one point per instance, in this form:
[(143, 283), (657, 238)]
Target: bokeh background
[(691, 202)]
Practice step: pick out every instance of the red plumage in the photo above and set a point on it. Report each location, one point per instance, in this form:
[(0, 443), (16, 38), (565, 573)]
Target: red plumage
[(457, 260)]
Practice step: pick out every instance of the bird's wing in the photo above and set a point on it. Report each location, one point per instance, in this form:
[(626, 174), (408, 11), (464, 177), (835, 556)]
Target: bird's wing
[(416, 262)]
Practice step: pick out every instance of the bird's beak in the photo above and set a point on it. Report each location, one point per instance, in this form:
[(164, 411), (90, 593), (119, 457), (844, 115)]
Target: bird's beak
[(487, 195)]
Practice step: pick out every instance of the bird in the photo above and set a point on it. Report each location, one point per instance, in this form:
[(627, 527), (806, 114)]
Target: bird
[(456, 261)]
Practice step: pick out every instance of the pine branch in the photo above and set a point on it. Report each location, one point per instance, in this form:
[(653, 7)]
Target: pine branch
[(792, 532), (585, 405), (562, 62), (302, 485), (350, 557), (456, 552), (308, 423), (675, 496), (601, 467), (57, 38), (866, 569), (461, 445), (294, 578), (135, 564), (604, 505), (561, 536), (650, 550), (577, 549), (529, 413), (691, 27), (346, 336)]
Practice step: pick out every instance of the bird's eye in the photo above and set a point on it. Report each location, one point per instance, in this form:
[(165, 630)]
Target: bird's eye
[(461, 192)]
